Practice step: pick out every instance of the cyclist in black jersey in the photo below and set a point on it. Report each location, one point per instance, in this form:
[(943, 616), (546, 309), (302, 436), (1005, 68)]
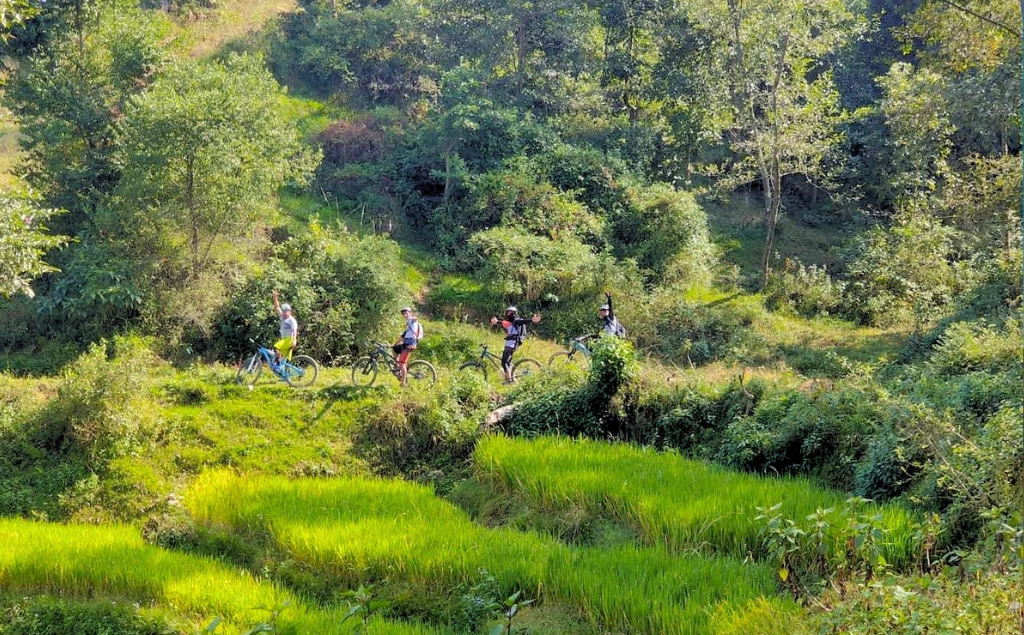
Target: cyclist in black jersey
[(515, 330)]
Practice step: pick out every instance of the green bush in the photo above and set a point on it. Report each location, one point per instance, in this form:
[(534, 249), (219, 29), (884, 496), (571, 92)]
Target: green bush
[(417, 434), (46, 615), (903, 273), (692, 332), (978, 345), (94, 412), (805, 290), (530, 267), (666, 232), (566, 407), (344, 290)]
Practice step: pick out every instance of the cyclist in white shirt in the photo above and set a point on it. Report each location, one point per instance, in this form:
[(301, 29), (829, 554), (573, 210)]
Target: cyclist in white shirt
[(289, 331), (406, 344)]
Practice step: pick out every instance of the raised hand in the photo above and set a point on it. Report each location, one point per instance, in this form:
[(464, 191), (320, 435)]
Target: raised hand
[(494, 321)]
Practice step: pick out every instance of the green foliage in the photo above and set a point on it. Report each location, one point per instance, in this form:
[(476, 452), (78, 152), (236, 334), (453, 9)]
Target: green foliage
[(46, 615), (565, 407), (67, 96), (204, 150), (805, 290), (521, 265), (515, 197), (23, 242), (902, 274), (666, 231), (417, 434), (93, 412), (343, 289), (967, 346)]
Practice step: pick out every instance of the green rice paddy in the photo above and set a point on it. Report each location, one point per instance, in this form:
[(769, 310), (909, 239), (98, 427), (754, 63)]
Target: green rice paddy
[(671, 501), (359, 530)]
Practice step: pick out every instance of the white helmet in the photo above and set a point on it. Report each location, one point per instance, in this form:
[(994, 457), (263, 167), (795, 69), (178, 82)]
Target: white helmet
[(511, 309), (286, 307)]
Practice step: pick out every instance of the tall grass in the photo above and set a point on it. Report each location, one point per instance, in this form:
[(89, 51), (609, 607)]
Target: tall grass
[(113, 562), (672, 501), (364, 530)]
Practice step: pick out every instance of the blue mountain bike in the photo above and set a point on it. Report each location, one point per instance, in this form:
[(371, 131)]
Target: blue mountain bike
[(298, 372)]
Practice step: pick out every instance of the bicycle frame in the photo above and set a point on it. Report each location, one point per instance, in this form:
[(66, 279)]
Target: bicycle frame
[(489, 356), (576, 345), (383, 350), (284, 370)]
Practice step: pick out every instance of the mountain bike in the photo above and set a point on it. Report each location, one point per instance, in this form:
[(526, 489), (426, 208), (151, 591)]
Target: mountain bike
[(298, 372), (523, 368), (364, 371), (577, 354)]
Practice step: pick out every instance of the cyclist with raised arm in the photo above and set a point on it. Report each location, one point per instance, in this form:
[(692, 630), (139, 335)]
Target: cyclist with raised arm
[(610, 325), (289, 332), (515, 331), (406, 344)]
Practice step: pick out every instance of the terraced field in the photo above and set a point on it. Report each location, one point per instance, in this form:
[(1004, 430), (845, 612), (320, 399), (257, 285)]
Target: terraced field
[(366, 530)]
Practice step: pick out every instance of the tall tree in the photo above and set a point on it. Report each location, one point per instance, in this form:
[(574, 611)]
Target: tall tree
[(67, 98), (205, 150), (785, 108)]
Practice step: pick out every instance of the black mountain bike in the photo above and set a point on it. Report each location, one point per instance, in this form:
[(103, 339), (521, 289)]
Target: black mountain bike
[(523, 368), (364, 371)]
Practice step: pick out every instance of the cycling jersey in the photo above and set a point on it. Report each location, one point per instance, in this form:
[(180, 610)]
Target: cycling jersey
[(413, 331), (515, 331)]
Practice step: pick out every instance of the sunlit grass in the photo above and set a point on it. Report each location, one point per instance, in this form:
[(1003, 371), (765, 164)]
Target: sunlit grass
[(113, 562), (672, 501), (232, 21), (359, 530)]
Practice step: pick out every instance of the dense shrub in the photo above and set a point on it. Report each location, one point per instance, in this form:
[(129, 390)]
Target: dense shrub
[(517, 198), (566, 407), (666, 231), (690, 331), (805, 290), (902, 274), (45, 615), (344, 290), (530, 267), (420, 433), (93, 413), (967, 346)]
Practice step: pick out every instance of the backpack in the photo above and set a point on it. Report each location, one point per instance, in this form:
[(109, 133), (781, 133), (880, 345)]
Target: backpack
[(517, 335), (620, 331)]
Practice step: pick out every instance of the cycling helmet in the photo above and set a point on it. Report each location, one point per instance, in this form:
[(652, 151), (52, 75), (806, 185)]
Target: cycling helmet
[(604, 307), (511, 309), (406, 309), (286, 307)]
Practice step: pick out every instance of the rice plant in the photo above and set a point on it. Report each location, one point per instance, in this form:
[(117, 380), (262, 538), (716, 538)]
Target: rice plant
[(361, 531), (672, 501), (87, 562)]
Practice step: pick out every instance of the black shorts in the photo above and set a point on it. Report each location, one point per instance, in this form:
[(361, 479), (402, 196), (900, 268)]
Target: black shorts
[(506, 356)]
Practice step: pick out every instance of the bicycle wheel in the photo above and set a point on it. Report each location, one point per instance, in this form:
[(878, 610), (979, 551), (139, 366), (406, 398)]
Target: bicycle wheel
[(525, 367), (364, 372), (472, 368), (422, 372), (564, 360), (301, 371), (249, 372)]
